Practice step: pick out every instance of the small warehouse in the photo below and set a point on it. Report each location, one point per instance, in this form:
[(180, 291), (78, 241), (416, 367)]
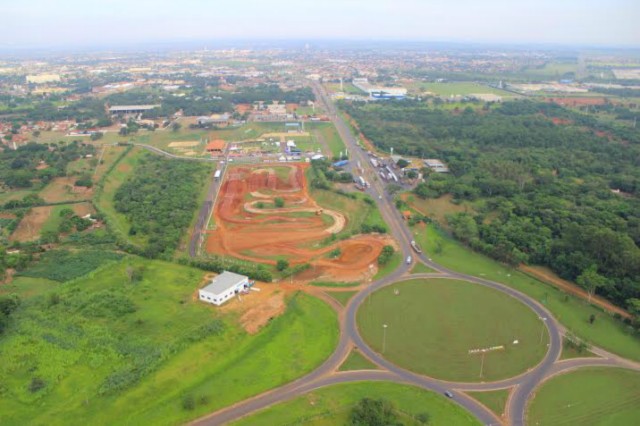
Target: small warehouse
[(216, 146), (224, 287)]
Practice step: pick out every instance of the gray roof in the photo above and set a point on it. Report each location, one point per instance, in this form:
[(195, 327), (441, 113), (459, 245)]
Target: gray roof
[(118, 108), (224, 281)]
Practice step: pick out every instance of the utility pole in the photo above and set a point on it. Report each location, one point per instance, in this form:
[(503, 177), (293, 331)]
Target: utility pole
[(543, 319), (482, 363), (384, 337)]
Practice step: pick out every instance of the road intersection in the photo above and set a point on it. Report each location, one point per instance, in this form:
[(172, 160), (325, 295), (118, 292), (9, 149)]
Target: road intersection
[(327, 374)]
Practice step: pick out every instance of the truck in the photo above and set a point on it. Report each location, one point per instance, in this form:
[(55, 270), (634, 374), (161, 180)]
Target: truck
[(217, 174), (362, 182), (340, 163), (374, 162), (415, 246)]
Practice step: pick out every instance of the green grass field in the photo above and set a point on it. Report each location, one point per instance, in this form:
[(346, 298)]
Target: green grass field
[(421, 268), (496, 401), (332, 405), (588, 397), (102, 363), (122, 171), (393, 263), (457, 89), (572, 312), (355, 361), (327, 132), (432, 325), (342, 296)]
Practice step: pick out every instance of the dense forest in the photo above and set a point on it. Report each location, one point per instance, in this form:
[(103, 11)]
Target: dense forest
[(560, 195), (159, 201)]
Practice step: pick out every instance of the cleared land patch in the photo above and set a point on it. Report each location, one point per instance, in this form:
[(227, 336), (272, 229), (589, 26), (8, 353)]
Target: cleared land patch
[(432, 325)]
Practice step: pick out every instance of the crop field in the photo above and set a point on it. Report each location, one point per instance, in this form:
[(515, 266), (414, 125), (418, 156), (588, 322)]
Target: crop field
[(247, 202), (65, 361), (574, 313), (433, 324), (332, 405), (589, 397)]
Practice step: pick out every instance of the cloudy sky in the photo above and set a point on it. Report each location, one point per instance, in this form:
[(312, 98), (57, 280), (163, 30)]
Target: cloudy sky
[(86, 22)]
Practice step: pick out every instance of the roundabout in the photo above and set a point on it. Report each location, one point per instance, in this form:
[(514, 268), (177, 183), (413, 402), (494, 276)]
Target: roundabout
[(452, 330)]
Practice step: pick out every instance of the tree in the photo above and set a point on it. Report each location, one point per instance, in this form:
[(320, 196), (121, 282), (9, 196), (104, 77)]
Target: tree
[(402, 163), (592, 318), (591, 280), (175, 127), (282, 264), (279, 202), (373, 412), (412, 174), (96, 136)]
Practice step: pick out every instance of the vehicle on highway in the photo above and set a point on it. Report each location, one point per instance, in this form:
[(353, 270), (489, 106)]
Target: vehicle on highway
[(409, 259), (448, 394)]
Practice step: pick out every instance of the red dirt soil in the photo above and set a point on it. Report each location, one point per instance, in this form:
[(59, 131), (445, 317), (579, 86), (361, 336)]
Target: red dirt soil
[(264, 235)]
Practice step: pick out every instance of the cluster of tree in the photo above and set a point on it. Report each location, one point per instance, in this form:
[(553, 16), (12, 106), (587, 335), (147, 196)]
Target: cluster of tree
[(159, 201), (257, 272), (323, 173), (19, 168), (71, 222), (380, 412), (270, 92), (8, 304), (549, 192), (385, 255)]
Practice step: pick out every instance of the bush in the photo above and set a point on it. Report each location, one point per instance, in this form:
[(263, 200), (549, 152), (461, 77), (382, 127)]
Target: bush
[(36, 384), (373, 412), (188, 402), (279, 202), (282, 264), (385, 255), (62, 265)]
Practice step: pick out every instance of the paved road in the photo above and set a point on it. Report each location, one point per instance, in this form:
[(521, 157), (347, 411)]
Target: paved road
[(325, 375)]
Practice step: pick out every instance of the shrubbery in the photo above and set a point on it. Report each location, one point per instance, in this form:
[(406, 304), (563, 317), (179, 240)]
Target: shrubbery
[(63, 265)]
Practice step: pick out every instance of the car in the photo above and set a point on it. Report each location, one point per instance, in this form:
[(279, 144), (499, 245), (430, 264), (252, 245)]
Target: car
[(409, 259), (448, 394)]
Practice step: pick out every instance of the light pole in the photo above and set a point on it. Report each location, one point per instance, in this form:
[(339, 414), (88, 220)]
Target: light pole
[(544, 319), (384, 337)]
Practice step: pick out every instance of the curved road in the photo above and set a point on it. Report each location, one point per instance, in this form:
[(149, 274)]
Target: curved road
[(326, 374)]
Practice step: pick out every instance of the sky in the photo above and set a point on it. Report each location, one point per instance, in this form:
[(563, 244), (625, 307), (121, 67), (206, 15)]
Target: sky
[(68, 23)]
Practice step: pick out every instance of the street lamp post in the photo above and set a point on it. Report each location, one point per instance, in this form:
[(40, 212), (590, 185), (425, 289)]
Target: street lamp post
[(384, 337), (543, 319)]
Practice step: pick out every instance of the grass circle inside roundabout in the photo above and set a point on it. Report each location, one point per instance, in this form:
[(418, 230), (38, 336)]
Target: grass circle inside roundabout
[(440, 327)]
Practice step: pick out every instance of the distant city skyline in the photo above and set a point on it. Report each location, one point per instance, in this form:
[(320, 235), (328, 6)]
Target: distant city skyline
[(75, 23)]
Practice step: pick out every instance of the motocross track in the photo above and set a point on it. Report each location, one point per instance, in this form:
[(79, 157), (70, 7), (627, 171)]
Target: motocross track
[(293, 232)]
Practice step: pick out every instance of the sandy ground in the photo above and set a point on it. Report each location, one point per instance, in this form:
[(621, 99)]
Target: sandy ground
[(567, 286), (263, 235), (186, 144), (29, 227), (82, 209)]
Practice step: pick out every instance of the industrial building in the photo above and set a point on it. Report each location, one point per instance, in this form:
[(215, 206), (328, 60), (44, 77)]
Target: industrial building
[(224, 287), (379, 92), (131, 109), (436, 165)]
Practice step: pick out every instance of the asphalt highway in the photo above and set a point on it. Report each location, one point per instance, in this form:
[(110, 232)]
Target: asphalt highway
[(524, 384)]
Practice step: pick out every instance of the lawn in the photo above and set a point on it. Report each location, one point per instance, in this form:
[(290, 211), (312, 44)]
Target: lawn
[(432, 324), (355, 361), (496, 400), (589, 396), (111, 351), (342, 296), (332, 405), (327, 134), (421, 268), (394, 262), (574, 313)]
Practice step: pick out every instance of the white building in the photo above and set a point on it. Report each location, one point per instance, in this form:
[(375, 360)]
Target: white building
[(436, 165), (223, 287)]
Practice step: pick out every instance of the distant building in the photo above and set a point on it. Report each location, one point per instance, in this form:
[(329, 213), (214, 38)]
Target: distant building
[(214, 120), (216, 146), (131, 109), (223, 287), (436, 165), (379, 92)]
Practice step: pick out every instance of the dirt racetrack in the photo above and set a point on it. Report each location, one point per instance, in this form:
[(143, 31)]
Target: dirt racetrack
[(249, 226)]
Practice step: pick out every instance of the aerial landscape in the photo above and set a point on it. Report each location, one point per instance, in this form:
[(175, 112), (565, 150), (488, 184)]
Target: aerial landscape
[(340, 213)]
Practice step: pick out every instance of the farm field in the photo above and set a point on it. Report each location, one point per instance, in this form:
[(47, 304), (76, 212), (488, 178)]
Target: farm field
[(433, 324), (332, 406), (589, 397), (572, 312), (176, 348), (296, 228)]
